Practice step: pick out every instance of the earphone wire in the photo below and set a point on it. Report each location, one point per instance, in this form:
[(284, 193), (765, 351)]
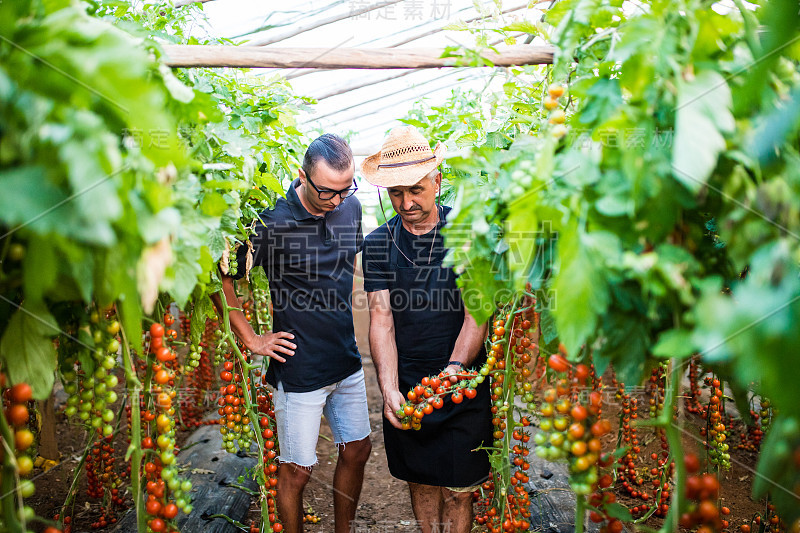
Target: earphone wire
[(435, 228)]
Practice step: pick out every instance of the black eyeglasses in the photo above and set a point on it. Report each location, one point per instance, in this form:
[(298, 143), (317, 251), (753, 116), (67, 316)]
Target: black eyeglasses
[(328, 194)]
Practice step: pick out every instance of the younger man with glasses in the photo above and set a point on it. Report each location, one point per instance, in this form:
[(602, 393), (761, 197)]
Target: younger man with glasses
[(307, 245)]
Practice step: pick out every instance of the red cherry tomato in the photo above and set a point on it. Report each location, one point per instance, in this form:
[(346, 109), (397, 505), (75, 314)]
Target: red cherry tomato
[(558, 363), (20, 393), (156, 330)]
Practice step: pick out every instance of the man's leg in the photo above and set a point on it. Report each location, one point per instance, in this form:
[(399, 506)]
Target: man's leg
[(457, 510), (347, 481), (426, 501), (297, 416), (347, 414), (292, 479)]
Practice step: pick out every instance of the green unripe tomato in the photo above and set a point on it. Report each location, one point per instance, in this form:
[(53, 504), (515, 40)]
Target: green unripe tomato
[(113, 327), (27, 513), (27, 488), (16, 252)]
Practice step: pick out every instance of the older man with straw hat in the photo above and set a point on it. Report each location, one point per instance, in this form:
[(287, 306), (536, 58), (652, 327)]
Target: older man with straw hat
[(418, 326)]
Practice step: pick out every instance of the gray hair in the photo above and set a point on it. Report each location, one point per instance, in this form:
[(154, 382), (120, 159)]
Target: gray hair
[(432, 175)]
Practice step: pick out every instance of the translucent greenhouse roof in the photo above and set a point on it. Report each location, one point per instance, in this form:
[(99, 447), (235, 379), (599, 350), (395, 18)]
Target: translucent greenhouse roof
[(367, 102)]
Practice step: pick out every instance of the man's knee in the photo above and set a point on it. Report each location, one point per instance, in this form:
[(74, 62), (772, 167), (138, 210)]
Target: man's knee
[(293, 476), (457, 497), (356, 452)]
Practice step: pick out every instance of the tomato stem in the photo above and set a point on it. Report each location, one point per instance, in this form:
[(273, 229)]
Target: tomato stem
[(135, 449), (254, 417), (10, 485), (580, 512), (673, 431), (509, 384)]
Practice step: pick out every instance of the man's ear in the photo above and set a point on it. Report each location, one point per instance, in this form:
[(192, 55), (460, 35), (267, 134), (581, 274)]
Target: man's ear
[(302, 175)]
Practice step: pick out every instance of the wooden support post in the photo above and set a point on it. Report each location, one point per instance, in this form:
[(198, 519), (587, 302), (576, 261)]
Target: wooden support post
[(48, 445), (338, 58)]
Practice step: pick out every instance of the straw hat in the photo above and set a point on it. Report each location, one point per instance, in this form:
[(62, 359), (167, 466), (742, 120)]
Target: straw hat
[(404, 159)]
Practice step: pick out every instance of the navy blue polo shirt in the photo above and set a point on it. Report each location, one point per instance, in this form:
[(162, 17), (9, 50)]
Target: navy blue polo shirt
[(309, 262)]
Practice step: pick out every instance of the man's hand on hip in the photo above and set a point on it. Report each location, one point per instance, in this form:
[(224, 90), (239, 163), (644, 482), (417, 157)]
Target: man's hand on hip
[(391, 403), (273, 344)]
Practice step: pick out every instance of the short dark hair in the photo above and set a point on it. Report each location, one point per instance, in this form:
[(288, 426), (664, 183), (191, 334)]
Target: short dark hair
[(333, 149)]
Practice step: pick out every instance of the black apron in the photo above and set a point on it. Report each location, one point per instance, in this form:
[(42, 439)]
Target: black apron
[(428, 314)]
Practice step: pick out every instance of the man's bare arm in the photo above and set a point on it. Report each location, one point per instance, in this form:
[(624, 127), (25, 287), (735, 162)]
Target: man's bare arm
[(383, 348), (271, 344)]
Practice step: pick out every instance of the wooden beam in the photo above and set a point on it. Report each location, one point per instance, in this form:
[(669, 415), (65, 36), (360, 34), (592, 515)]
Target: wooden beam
[(313, 25), (407, 40), (177, 55), (362, 84)]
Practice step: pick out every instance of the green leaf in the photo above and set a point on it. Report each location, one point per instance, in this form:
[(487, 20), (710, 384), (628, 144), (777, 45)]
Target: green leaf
[(258, 278), (522, 226), (674, 343), (28, 351), (28, 198), (703, 115), (522, 25), (41, 269), (603, 99), (548, 323), (213, 204), (177, 90), (203, 309), (130, 310), (616, 510), (579, 289)]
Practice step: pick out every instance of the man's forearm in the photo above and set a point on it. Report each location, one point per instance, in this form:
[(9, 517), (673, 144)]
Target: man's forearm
[(469, 341), (384, 354), (239, 324)]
